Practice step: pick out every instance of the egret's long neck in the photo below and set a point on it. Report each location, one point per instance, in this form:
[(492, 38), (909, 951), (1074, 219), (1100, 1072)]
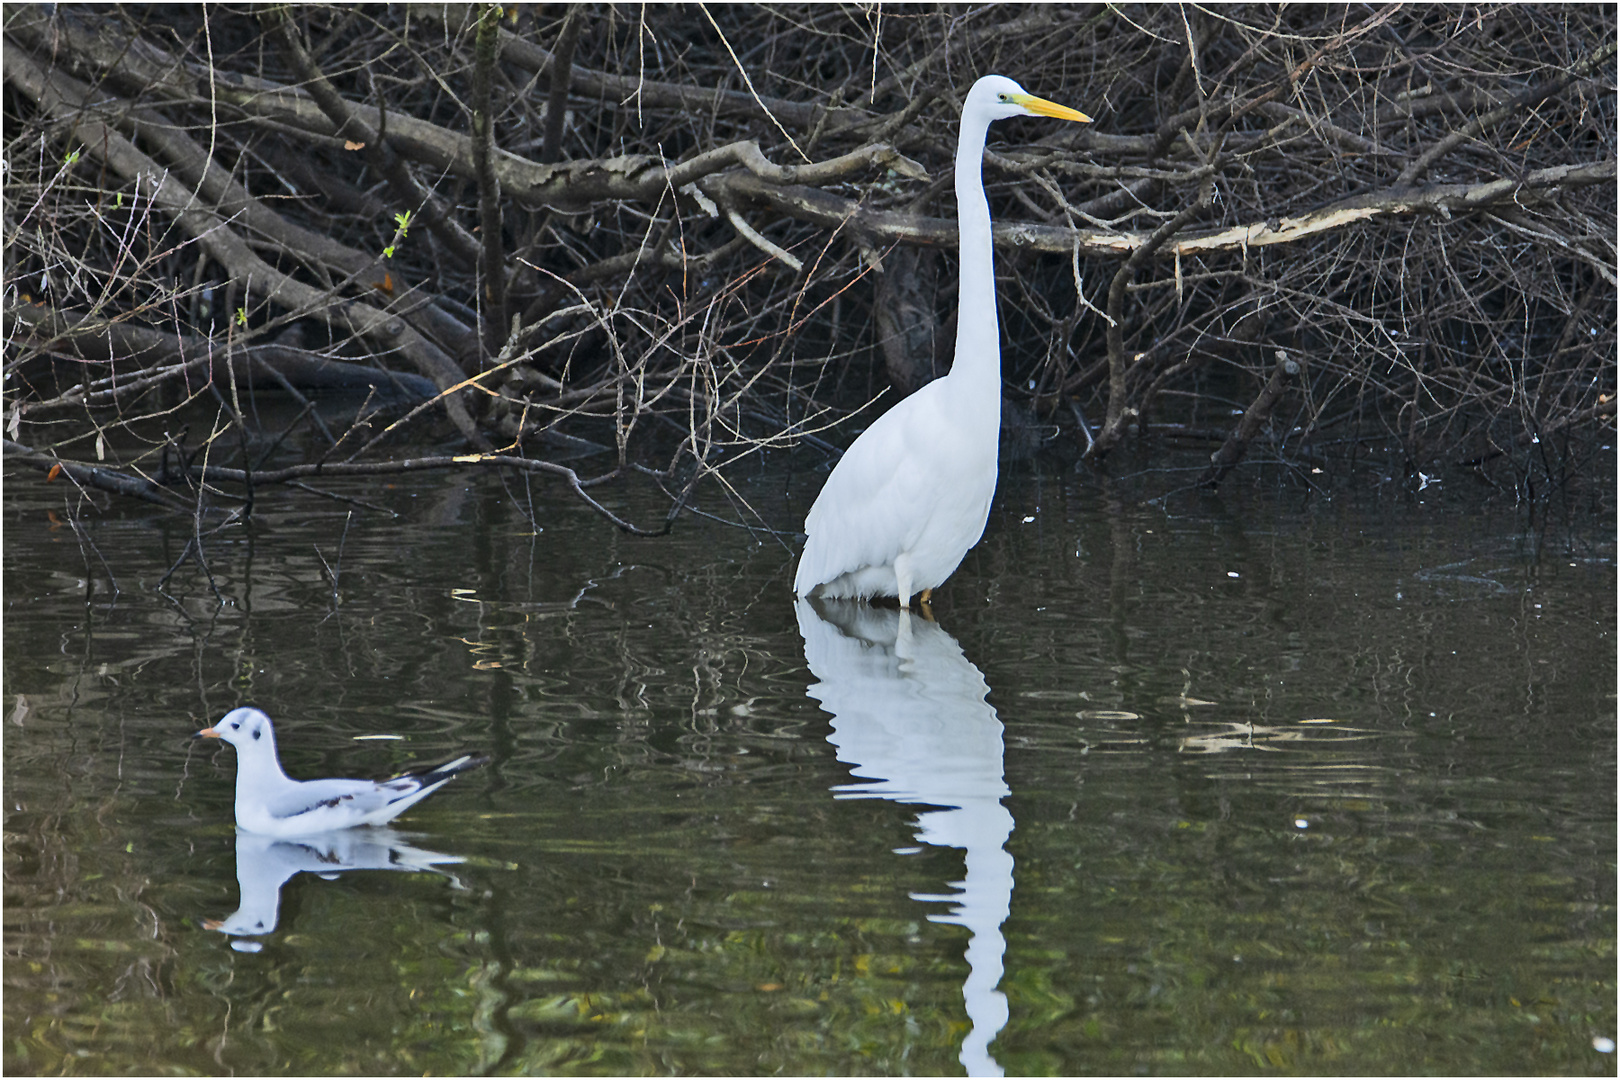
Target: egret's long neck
[(978, 337)]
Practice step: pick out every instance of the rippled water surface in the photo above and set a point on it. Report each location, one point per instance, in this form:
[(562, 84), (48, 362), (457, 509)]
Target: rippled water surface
[(1237, 784)]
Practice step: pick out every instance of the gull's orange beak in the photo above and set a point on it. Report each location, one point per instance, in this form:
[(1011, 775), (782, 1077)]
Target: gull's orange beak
[(1050, 108), (208, 733)]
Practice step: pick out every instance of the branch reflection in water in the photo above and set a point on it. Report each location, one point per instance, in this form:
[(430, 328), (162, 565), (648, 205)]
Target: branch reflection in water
[(264, 864), (910, 717)]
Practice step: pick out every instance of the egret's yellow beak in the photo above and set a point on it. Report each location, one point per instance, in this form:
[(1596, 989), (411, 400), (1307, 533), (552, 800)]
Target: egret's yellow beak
[(1049, 108)]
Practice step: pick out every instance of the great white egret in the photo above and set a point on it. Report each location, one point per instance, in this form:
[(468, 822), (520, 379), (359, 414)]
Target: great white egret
[(912, 494)]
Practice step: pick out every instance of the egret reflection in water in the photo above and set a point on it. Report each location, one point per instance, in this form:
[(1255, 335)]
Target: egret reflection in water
[(910, 718), (264, 864)]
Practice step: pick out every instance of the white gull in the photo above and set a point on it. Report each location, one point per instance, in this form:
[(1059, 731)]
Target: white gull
[(271, 803)]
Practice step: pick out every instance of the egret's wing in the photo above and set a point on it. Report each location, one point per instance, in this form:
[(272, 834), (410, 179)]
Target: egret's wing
[(874, 501)]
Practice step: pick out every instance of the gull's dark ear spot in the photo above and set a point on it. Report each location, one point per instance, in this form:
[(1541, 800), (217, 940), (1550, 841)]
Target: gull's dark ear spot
[(257, 732)]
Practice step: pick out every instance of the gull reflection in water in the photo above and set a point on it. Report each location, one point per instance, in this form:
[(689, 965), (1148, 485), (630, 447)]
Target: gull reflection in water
[(264, 864), (910, 717)]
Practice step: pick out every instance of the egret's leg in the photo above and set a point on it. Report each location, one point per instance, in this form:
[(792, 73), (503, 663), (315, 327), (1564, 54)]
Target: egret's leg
[(902, 578)]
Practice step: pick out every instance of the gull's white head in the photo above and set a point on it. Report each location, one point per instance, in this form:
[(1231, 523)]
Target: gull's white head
[(247, 729), (997, 97)]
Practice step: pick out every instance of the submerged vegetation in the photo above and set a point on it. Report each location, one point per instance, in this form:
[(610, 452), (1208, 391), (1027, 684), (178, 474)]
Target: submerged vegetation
[(593, 242)]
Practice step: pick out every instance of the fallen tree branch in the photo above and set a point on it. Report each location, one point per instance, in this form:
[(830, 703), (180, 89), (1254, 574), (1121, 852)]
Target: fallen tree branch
[(96, 476), (811, 204), (1231, 452), (218, 474), (122, 483), (1119, 413), (161, 357)]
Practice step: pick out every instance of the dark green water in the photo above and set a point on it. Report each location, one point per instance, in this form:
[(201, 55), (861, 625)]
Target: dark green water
[(1259, 785)]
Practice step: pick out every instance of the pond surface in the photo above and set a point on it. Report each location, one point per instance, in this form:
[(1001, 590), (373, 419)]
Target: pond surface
[(1248, 783)]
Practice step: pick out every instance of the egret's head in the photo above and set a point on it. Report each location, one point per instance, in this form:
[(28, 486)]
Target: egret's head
[(998, 97), (242, 728)]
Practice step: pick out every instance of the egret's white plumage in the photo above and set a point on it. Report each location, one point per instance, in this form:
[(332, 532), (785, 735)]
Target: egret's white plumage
[(912, 494), (271, 803)]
